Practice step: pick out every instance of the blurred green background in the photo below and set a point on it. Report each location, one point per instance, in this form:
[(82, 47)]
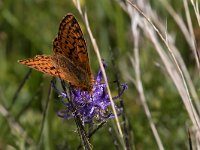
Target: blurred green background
[(28, 27)]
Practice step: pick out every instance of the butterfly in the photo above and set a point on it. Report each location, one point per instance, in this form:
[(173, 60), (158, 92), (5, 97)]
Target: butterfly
[(70, 60)]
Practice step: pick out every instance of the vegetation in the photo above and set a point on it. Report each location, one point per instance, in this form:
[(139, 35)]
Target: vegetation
[(151, 46)]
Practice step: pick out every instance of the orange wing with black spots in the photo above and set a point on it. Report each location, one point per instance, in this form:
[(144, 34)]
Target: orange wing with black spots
[(71, 41), (42, 63), (70, 60)]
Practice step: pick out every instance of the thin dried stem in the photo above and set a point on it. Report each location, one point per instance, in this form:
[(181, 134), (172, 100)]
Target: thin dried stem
[(193, 114), (196, 9), (162, 29), (188, 34), (136, 65), (105, 77), (96, 49)]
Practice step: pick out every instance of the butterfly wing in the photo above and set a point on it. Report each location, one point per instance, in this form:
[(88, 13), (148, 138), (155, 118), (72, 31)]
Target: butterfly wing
[(70, 43), (42, 63), (72, 73), (70, 60)]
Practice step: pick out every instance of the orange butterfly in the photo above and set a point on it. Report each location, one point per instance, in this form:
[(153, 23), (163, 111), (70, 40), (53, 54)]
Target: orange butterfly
[(70, 60)]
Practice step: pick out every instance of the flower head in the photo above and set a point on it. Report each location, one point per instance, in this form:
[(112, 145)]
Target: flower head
[(89, 107)]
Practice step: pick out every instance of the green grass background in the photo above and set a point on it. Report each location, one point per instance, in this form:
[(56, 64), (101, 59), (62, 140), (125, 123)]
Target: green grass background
[(28, 27)]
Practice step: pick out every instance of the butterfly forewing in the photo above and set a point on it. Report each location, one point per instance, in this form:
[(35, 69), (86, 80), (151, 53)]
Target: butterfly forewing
[(41, 63), (71, 41)]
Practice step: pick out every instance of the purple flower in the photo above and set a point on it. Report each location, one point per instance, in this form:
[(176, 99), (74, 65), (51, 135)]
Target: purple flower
[(89, 107)]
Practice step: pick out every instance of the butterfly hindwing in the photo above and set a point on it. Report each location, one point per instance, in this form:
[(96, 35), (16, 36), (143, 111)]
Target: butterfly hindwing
[(72, 73)]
